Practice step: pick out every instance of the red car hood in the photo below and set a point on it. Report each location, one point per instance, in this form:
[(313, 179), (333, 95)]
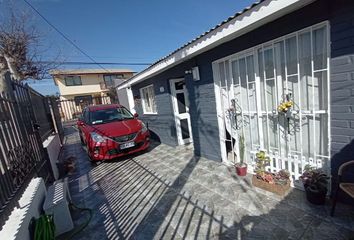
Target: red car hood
[(119, 128)]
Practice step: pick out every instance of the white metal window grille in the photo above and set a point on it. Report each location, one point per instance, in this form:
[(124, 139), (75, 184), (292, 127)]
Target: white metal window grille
[(253, 83), (148, 99)]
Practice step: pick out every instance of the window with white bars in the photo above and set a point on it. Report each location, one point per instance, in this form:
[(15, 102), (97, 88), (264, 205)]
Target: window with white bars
[(258, 80), (148, 100)]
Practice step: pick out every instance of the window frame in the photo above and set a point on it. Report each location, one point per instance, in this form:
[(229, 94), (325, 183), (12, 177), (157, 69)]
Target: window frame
[(312, 113), (111, 79), (143, 100), (74, 84)]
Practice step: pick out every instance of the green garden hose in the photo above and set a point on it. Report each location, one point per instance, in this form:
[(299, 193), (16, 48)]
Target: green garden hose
[(82, 226), (45, 227)]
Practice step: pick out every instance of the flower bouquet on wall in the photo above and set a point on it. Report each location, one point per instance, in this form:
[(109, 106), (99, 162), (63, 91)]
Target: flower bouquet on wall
[(278, 183)]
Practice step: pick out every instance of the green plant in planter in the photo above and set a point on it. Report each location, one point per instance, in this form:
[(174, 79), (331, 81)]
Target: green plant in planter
[(241, 146), (261, 162), (314, 179), (315, 183)]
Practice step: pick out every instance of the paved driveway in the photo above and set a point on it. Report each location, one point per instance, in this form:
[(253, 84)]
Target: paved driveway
[(167, 193)]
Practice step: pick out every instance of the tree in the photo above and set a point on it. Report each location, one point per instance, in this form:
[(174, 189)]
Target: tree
[(19, 43)]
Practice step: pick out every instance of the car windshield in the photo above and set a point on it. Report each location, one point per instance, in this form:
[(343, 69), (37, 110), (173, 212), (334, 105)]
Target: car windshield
[(110, 115)]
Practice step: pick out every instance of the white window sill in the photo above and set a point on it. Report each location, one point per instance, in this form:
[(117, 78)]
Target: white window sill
[(150, 113)]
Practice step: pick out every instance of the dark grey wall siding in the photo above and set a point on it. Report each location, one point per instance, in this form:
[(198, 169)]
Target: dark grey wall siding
[(203, 116), (342, 85), (163, 123)]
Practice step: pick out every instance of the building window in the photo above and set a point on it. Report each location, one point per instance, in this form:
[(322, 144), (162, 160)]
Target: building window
[(148, 99), (109, 79), (73, 81)]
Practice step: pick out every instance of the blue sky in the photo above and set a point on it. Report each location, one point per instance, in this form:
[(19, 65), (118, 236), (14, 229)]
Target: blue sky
[(122, 30)]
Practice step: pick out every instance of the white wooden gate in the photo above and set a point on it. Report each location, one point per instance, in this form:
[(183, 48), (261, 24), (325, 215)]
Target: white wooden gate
[(250, 86)]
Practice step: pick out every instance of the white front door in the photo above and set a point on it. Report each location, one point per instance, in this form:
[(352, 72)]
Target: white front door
[(181, 110)]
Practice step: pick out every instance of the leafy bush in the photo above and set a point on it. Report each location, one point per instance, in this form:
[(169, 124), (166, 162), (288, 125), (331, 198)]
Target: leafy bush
[(314, 179)]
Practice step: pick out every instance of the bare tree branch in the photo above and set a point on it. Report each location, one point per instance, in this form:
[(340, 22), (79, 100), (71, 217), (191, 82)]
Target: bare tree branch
[(19, 50)]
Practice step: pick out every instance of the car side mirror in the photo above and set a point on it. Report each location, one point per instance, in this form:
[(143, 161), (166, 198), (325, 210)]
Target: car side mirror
[(136, 115), (81, 123)]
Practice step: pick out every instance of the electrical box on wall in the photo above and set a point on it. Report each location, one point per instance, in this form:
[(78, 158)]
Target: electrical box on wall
[(195, 72)]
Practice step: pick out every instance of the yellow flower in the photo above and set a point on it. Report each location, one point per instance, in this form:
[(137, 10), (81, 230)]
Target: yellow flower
[(289, 104)]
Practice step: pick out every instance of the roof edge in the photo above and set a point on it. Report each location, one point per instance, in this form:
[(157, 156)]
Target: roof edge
[(242, 22)]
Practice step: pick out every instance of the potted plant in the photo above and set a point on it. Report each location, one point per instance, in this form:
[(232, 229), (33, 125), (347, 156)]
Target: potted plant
[(315, 183), (241, 167), (278, 183)]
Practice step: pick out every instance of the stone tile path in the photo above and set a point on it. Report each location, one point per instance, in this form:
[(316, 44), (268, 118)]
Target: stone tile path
[(167, 193)]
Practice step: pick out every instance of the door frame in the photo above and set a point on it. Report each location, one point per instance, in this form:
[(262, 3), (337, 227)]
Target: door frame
[(180, 140)]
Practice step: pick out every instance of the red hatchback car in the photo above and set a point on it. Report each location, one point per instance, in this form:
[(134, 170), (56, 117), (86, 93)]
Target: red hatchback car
[(111, 131)]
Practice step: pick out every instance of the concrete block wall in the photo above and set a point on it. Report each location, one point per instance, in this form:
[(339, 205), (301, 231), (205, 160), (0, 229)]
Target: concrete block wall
[(342, 88), (342, 101)]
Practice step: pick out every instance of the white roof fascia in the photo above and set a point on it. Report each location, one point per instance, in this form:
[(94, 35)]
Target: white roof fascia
[(255, 17)]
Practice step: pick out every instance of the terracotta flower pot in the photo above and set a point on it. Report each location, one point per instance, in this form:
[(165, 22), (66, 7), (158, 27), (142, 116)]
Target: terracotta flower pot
[(241, 170)]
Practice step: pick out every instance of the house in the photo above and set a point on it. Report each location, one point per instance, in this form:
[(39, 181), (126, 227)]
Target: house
[(80, 87), (230, 81)]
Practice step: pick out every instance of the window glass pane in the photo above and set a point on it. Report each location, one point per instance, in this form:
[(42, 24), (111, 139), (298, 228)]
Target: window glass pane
[(235, 75), (321, 126), (279, 56), (268, 63), (320, 83), (254, 127), (228, 79), (261, 77), (273, 131), (152, 99), (243, 79), (146, 101), (184, 128), (265, 131), (181, 102), (279, 61), (308, 136), (247, 131), (271, 95), (149, 104), (305, 70), (294, 124), (293, 89), (108, 80), (77, 80), (252, 96), (237, 87), (179, 85), (69, 81), (250, 69), (291, 55), (222, 74), (319, 48)]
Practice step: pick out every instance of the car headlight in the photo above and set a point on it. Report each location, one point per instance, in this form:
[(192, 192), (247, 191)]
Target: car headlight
[(143, 127), (97, 138)]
